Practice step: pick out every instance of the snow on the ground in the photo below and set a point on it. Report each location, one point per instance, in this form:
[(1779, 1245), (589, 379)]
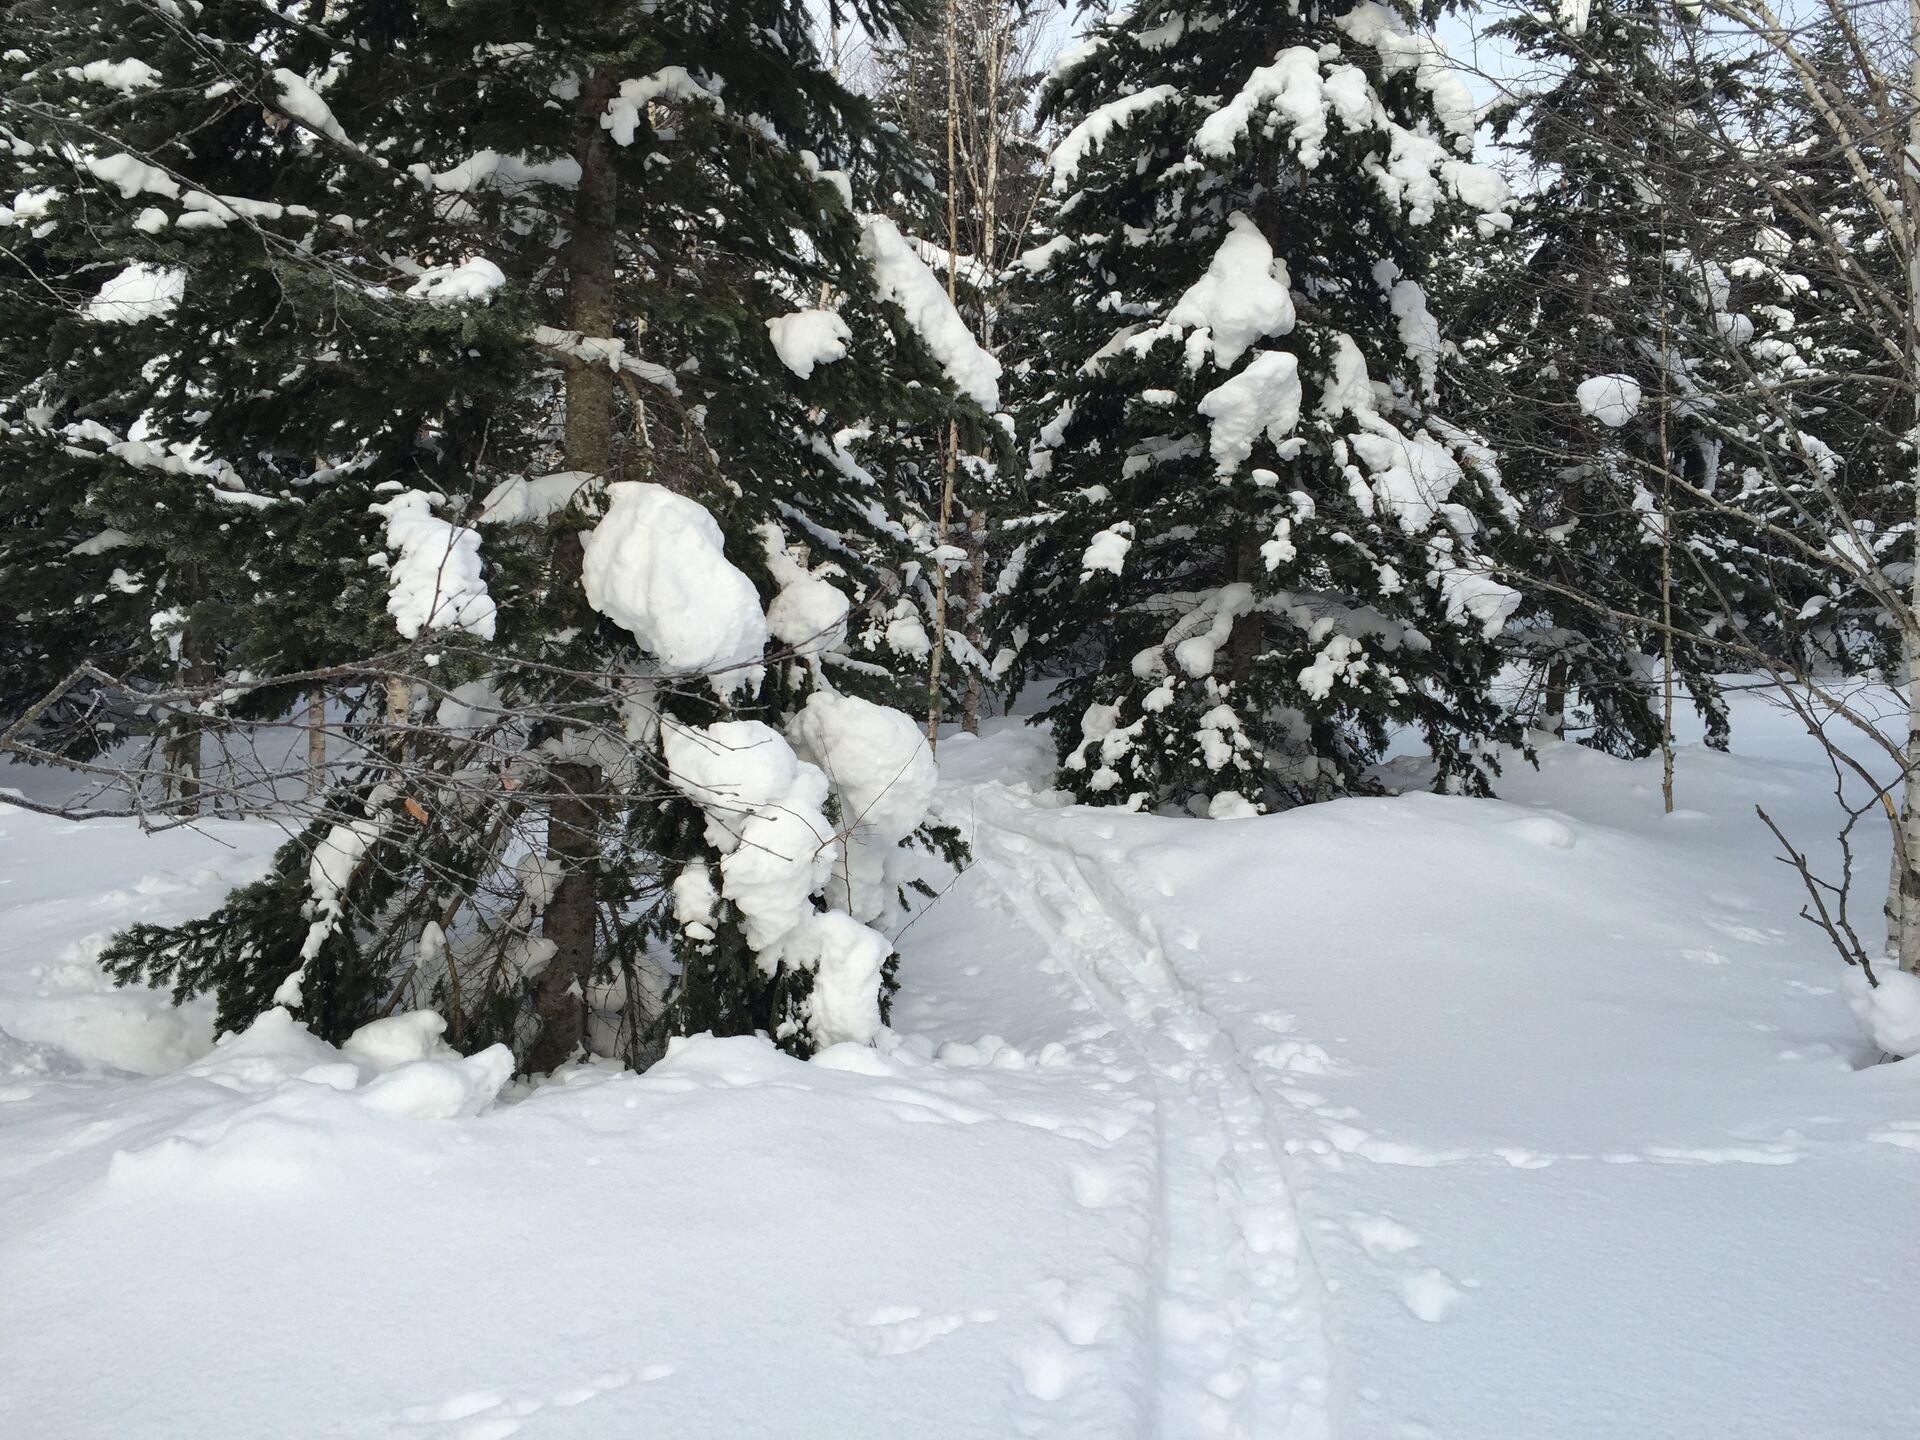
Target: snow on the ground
[(64, 890), (1402, 1117)]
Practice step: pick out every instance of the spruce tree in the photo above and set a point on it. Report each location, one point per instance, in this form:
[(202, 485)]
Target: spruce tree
[(544, 275), (1256, 545), (1826, 363), (1612, 363), (971, 126)]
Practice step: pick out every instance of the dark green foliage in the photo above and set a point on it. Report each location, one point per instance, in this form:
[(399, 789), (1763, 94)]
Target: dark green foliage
[(222, 455), (1282, 605)]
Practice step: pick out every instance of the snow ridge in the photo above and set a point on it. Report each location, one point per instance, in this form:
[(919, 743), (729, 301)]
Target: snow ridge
[(1241, 1332)]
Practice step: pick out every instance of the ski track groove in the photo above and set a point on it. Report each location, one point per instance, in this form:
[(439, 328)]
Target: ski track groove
[(1238, 1325)]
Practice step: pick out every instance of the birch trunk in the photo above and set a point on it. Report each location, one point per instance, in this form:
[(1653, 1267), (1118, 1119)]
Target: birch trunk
[(316, 741), (1903, 897), (938, 657)]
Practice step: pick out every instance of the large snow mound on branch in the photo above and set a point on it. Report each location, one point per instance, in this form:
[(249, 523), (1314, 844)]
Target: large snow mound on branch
[(1242, 298), (1264, 398), (474, 279), (139, 292), (845, 958), (903, 277), (766, 814), (434, 578), (884, 776), (1090, 136), (1613, 400), (656, 566), (807, 339)]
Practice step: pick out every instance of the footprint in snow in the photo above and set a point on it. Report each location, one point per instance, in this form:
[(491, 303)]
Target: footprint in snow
[(490, 1415), (1382, 1235), (1544, 831), (1750, 934), (1429, 1294), (1094, 1188), (1302, 1057), (902, 1329), (1081, 1313), (1050, 1368)]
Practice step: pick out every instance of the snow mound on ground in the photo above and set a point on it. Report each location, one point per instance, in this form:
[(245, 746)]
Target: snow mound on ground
[(274, 1049), (441, 1089), (1890, 1011), (398, 1039), (1545, 831), (25, 1057), (656, 566), (396, 1066)]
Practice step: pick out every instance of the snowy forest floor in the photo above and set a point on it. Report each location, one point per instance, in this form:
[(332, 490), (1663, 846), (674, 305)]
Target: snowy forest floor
[(1411, 1117)]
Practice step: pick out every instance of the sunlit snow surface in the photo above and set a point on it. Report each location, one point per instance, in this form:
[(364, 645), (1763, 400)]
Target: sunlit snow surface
[(1388, 1118)]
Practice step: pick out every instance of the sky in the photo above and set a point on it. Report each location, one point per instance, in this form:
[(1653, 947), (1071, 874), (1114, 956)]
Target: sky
[(1485, 64)]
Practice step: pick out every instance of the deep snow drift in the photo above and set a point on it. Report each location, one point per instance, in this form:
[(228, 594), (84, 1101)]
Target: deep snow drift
[(1406, 1117)]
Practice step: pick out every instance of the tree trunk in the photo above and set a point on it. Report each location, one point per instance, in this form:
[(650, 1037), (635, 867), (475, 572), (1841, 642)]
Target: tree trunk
[(952, 462), (1248, 636), (972, 599), (939, 654), (576, 788), (316, 741), (986, 250), (184, 749), (574, 808), (1666, 543), (1553, 700), (1903, 895)]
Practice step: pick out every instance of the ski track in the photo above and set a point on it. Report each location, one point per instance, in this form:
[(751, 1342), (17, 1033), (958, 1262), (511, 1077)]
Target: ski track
[(1241, 1329)]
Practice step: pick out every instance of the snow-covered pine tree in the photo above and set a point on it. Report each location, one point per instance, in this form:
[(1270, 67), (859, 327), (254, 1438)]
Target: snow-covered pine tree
[(240, 365), (1826, 363), (667, 329), (984, 197), (1610, 366), (189, 350), (1257, 545)]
